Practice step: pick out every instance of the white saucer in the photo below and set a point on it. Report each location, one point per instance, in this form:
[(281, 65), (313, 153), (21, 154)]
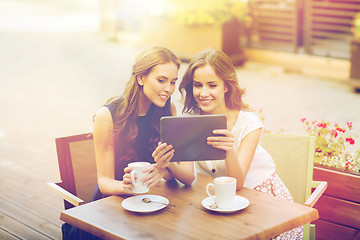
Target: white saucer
[(240, 203), (136, 203)]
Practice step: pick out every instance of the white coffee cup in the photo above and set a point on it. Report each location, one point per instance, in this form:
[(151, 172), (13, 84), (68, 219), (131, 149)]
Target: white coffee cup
[(138, 168), (225, 190)]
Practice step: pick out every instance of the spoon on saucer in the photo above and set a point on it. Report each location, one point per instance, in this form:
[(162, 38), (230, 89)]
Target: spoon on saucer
[(148, 200), (213, 205)]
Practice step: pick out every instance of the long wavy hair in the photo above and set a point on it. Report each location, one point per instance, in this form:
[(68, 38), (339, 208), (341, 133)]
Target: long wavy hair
[(125, 130), (224, 69)]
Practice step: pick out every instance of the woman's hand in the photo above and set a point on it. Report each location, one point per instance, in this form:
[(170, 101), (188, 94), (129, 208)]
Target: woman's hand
[(224, 141), (163, 154), (127, 184), (156, 173)]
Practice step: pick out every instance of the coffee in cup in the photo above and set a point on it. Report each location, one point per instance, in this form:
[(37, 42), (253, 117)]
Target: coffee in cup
[(138, 168), (225, 190)]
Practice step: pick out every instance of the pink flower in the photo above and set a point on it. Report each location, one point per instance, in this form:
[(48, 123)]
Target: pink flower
[(303, 119), (321, 125), (349, 124), (350, 140), (348, 165), (340, 130), (334, 133)]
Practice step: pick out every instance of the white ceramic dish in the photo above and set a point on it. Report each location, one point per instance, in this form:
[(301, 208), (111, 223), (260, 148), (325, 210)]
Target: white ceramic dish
[(240, 203), (136, 203)]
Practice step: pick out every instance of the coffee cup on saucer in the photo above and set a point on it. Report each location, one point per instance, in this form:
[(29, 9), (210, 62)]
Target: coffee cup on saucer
[(225, 190)]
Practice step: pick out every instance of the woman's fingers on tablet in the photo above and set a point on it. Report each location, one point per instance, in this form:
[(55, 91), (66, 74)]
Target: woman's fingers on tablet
[(221, 135), (223, 132), (225, 142), (164, 149), (165, 159), (158, 149), (220, 139), (223, 146), (163, 154)]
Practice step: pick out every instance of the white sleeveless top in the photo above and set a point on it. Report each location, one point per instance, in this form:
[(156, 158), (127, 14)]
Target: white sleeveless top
[(262, 165)]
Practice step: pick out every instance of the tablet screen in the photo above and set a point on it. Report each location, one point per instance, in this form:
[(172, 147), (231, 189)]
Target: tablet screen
[(188, 134)]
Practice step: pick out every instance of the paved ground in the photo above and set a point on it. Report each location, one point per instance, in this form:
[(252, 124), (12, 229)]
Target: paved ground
[(55, 71)]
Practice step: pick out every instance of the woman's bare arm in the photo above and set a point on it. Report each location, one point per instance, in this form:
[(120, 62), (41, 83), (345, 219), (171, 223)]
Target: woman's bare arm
[(105, 154)]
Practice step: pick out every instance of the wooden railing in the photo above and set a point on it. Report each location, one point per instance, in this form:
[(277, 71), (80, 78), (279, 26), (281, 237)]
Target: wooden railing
[(320, 27), (328, 26), (275, 24)]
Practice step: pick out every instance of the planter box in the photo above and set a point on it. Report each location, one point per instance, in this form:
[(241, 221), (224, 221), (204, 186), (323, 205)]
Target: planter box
[(231, 34), (184, 41), (339, 207), (187, 41)]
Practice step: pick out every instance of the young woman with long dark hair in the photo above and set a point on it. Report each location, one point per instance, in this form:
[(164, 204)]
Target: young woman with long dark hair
[(126, 129)]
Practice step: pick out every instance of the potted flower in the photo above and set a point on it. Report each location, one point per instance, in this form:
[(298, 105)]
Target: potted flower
[(355, 29), (355, 53), (337, 161), (207, 13), (334, 145), (188, 26)]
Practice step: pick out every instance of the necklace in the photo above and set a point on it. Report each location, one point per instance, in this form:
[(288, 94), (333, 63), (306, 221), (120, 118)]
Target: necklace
[(213, 163)]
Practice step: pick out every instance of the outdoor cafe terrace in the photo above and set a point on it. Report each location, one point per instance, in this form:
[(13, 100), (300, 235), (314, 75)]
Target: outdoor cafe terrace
[(61, 60)]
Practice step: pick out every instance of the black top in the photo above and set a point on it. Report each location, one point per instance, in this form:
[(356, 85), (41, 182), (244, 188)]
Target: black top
[(141, 147)]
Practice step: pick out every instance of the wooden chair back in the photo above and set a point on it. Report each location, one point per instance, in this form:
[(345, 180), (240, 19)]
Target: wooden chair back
[(76, 158)]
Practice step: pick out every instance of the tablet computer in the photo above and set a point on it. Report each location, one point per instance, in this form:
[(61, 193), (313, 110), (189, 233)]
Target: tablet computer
[(188, 134)]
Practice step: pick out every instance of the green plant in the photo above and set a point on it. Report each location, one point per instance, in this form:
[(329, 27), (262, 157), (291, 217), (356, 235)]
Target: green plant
[(355, 29), (334, 145), (207, 12)]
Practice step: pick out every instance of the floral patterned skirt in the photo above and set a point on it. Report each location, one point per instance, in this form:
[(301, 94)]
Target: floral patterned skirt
[(274, 186)]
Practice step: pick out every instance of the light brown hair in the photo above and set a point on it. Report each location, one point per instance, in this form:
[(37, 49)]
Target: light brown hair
[(224, 69), (127, 108)]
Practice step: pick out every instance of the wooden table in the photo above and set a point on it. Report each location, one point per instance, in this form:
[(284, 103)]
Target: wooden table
[(265, 217)]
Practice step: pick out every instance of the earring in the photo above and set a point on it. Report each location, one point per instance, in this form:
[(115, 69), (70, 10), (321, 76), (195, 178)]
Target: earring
[(140, 80)]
